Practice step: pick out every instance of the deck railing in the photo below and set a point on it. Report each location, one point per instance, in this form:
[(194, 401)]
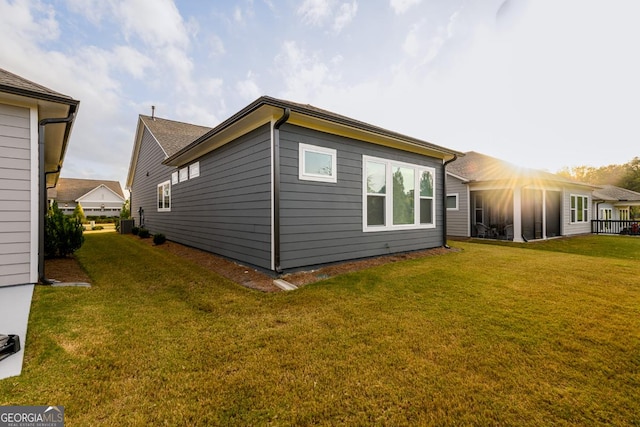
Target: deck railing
[(602, 226)]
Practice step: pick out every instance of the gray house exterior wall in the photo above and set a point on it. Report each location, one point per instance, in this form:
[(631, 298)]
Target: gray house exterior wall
[(226, 210), (323, 222), (15, 195), (458, 219)]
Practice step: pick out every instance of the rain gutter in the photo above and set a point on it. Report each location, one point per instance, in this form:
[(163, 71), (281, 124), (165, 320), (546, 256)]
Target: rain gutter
[(42, 187), (276, 188)]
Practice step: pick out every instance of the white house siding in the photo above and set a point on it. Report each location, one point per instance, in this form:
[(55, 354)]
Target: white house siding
[(15, 195), (568, 228), (101, 201), (17, 266), (458, 220)]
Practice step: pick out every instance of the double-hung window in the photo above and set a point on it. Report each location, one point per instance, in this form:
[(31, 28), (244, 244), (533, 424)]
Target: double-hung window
[(164, 197), (397, 195), (579, 208)]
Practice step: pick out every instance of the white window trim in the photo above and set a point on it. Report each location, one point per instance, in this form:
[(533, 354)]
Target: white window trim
[(174, 177), (585, 209), (163, 184), (457, 196), (194, 170), (389, 196), (184, 174), (305, 176)]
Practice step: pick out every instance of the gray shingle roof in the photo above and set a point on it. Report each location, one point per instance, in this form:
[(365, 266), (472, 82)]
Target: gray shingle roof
[(70, 189), (13, 83), (611, 192), (171, 135), (480, 167)]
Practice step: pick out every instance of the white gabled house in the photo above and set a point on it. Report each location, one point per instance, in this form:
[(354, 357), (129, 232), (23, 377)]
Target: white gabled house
[(97, 197)]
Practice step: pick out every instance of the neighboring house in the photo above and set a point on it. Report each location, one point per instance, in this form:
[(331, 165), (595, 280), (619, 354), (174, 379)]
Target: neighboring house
[(488, 197), (612, 210), (97, 197), (283, 186), (35, 125)]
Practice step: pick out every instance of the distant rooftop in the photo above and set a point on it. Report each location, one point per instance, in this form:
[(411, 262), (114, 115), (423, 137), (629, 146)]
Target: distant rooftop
[(171, 135), (611, 192), (71, 189), (480, 167)]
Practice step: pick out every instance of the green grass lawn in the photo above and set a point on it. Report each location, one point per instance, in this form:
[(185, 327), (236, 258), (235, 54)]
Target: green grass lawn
[(539, 334)]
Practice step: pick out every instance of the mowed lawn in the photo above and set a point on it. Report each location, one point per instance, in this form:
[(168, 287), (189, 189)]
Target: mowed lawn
[(541, 334)]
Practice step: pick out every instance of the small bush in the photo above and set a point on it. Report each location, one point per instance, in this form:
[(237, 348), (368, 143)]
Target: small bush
[(63, 234), (143, 233), (78, 212), (159, 239), (97, 227), (135, 230)]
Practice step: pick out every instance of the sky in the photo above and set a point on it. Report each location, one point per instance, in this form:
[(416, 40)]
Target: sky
[(544, 84)]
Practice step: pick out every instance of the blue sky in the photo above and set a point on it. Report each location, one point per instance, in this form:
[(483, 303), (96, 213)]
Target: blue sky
[(540, 83)]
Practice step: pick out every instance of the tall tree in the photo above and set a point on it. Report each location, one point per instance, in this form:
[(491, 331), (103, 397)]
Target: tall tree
[(631, 179)]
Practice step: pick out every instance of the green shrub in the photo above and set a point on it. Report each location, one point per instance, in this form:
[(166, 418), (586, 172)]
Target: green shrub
[(125, 212), (97, 227), (159, 239), (78, 212), (143, 233), (63, 235), (135, 230)]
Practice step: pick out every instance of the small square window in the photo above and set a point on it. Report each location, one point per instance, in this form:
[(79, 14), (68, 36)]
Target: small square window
[(184, 174), (452, 202), (194, 170), (317, 163), (174, 177)]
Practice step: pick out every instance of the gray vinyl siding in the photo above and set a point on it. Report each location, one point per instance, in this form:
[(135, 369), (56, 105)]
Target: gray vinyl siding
[(149, 172), (322, 222), (226, 210), (15, 195), (458, 220)]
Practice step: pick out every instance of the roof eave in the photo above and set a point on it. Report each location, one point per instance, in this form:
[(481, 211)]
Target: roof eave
[(265, 109)]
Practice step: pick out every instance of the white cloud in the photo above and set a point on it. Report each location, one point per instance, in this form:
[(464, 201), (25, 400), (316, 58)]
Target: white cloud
[(216, 46), (237, 15), (314, 12), (401, 6), (92, 10), (25, 20), (304, 74), (411, 45), (156, 22), (322, 12), (248, 88), (131, 60), (345, 15)]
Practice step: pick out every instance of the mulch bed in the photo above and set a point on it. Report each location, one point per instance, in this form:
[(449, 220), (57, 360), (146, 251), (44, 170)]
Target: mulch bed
[(69, 270)]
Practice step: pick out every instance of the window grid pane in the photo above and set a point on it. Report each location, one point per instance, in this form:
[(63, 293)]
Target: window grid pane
[(403, 195)]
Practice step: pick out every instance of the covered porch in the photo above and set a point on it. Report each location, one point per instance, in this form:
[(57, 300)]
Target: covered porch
[(518, 214)]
